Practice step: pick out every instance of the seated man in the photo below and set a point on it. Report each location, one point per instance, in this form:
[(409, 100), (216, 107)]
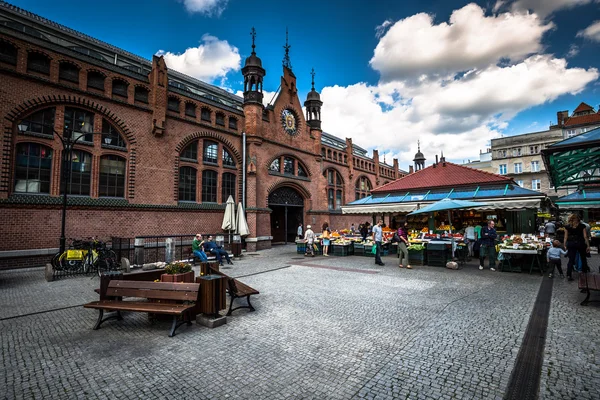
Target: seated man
[(197, 244), (211, 247)]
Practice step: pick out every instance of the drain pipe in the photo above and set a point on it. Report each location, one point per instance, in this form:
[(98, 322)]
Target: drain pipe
[(244, 170)]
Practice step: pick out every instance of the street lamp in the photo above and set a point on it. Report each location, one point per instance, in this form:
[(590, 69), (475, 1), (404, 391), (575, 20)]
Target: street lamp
[(68, 143)]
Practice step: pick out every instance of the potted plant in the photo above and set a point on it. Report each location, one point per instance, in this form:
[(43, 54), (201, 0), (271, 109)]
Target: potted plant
[(178, 272)]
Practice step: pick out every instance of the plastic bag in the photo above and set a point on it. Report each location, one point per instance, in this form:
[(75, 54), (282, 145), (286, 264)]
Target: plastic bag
[(374, 249)]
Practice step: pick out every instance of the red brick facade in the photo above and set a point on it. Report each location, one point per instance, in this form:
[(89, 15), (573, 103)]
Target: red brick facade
[(154, 138)]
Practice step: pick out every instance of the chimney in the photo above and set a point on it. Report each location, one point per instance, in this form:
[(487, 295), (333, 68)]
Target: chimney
[(561, 117), (410, 169), (436, 159)]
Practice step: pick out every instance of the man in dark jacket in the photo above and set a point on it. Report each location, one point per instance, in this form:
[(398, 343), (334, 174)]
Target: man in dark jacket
[(488, 246), (211, 247)]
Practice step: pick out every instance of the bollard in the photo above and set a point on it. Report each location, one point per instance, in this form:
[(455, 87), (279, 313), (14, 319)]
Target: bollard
[(49, 273), (169, 250), (139, 251)]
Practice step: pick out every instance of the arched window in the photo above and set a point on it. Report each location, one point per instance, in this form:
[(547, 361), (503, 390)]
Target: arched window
[(302, 171), (41, 122), (211, 152), (68, 72), (209, 186), (81, 173), (190, 152), (288, 165), (110, 136), (275, 165), (227, 159), (205, 114), (220, 119), (141, 94), (173, 104), (228, 187), (38, 62), (323, 151), (33, 168), (79, 123), (335, 189), (119, 88), (95, 80), (187, 184), (112, 176), (8, 53), (363, 187), (190, 110), (233, 123)]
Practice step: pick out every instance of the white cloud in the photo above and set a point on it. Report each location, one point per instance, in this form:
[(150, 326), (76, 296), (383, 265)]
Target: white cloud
[(381, 29), (415, 46), (206, 7), (212, 59), (543, 8), (573, 51), (592, 32)]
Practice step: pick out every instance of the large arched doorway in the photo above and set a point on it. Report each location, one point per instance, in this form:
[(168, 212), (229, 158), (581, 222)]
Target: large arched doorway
[(288, 208)]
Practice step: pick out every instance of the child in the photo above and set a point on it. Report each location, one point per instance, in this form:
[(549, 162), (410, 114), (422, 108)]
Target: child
[(553, 258)]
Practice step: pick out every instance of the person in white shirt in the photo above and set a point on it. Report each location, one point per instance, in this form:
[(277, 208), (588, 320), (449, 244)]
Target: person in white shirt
[(309, 238), (470, 235), (299, 230)]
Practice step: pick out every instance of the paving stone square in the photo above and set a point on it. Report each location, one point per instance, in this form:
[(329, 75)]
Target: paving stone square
[(324, 328)]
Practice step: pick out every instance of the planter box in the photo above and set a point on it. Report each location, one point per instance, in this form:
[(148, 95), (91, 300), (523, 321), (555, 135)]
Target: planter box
[(187, 277)]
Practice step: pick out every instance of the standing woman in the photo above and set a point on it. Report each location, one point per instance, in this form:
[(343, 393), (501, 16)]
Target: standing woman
[(403, 245), (326, 239), (577, 241)]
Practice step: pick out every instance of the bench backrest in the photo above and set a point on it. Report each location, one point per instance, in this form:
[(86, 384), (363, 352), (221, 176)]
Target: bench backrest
[(154, 290)]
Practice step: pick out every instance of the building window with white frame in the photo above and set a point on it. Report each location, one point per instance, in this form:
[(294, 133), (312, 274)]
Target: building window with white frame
[(570, 133), (535, 166), (520, 183), (536, 184), (518, 168), (502, 169)]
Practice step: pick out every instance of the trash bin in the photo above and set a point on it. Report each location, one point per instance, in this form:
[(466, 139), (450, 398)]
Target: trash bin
[(236, 246)]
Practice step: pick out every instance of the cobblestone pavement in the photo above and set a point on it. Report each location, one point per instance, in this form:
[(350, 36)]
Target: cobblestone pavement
[(325, 328)]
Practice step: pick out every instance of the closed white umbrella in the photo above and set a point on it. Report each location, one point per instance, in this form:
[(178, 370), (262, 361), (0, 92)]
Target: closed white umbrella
[(241, 226), (229, 216)]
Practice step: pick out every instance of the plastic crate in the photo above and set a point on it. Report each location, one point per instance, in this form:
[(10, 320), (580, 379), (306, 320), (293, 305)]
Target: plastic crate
[(393, 248), (351, 249), (417, 257), (341, 250), (368, 250), (437, 258), (359, 249), (300, 248)]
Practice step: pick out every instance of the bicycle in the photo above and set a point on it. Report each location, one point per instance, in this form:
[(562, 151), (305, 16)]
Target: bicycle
[(85, 256)]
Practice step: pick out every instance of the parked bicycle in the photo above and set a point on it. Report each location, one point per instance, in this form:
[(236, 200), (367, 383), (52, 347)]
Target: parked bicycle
[(85, 256)]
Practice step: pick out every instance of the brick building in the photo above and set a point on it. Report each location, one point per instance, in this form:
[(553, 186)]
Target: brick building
[(159, 152)]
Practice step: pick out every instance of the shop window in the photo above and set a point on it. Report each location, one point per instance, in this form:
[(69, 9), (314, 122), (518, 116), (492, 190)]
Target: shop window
[(209, 186), (41, 122), (68, 72), (33, 168), (173, 104), (220, 119), (8, 53), (233, 123), (362, 188), (275, 166), (211, 151), (112, 176), (95, 80), (227, 187), (111, 137), (190, 110), (288, 166), (141, 94), (227, 159), (205, 114), (335, 189), (190, 152), (81, 173), (79, 123), (38, 62), (119, 88), (187, 184)]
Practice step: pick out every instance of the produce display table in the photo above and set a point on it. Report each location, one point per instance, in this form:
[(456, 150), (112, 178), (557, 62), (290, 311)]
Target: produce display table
[(535, 259)]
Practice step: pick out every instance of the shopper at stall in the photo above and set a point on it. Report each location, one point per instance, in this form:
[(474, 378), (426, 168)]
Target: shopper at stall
[(488, 246), (553, 258), (364, 231), (299, 233), (326, 239), (550, 229), (403, 245), (470, 236), (352, 228), (377, 239), (577, 242), (309, 238)]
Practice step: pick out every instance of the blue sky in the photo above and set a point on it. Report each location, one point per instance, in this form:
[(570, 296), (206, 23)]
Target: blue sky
[(453, 74)]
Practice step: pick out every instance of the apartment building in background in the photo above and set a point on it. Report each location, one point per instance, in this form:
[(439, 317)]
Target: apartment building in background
[(583, 119)]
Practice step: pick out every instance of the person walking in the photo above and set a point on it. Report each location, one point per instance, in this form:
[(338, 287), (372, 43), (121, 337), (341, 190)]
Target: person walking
[(488, 246), (309, 238), (378, 238), (299, 232), (553, 258), (577, 242), (364, 231), (470, 235), (403, 245), (326, 239)]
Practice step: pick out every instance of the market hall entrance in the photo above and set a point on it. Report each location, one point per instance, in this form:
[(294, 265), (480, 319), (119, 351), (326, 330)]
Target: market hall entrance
[(288, 208)]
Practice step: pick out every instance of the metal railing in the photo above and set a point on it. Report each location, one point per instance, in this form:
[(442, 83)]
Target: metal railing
[(149, 249)]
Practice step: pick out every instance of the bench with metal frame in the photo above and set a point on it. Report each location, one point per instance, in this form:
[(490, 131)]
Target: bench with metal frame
[(588, 282), (235, 288)]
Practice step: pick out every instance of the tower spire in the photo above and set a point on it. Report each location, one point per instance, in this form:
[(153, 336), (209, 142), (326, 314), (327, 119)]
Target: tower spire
[(286, 58), (418, 145), (312, 73), (253, 34)]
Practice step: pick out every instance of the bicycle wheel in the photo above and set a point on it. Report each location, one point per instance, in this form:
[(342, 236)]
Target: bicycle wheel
[(69, 265), (107, 261), (56, 263)]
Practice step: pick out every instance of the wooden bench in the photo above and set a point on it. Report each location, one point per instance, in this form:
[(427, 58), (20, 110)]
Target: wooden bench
[(235, 288), (589, 281), (210, 257), (160, 295)]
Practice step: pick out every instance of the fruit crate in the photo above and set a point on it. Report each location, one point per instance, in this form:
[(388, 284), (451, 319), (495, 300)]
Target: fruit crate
[(359, 249), (417, 257), (300, 248), (341, 249), (393, 249), (368, 250), (437, 258)]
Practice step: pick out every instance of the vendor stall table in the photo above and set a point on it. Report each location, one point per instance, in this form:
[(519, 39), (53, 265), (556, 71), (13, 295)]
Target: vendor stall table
[(536, 255)]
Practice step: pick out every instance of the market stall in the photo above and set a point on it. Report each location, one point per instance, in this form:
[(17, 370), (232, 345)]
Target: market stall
[(531, 249)]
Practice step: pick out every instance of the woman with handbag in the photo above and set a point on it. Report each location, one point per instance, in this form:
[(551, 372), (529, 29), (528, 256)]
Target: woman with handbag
[(577, 241), (326, 239), (403, 245)]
